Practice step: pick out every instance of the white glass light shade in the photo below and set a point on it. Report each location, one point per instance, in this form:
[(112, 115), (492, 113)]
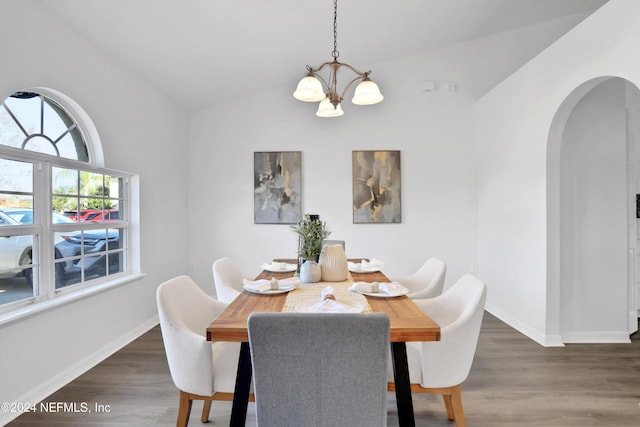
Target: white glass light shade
[(367, 93), (326, 109), (309, 90)]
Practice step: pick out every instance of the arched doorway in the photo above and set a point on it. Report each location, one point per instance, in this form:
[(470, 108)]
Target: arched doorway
[(591, 293)]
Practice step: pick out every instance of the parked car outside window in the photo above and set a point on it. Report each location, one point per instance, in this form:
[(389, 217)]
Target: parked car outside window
[(15, 251), (94, 215), (87, 249)]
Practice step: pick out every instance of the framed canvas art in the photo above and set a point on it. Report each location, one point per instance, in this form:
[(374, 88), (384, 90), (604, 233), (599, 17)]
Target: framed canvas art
[(277, 187), (376, 187)]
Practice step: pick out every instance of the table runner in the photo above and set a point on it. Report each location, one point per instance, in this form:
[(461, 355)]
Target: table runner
[(311, 292)]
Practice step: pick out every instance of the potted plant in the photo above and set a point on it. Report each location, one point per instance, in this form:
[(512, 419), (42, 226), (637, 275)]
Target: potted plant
[(311, 232)]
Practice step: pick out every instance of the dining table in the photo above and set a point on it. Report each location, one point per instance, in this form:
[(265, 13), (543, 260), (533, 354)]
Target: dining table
[(407, 323)]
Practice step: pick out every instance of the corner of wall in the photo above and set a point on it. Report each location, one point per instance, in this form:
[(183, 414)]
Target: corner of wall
[(545, 340)]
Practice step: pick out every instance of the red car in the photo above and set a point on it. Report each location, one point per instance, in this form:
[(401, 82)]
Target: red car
[(83, 214), (93, 215)]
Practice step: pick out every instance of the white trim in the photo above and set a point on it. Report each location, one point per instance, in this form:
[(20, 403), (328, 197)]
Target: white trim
[(65, 377), (544, 340), (547, 340), (60, 300), (597, 337), (81, 119)]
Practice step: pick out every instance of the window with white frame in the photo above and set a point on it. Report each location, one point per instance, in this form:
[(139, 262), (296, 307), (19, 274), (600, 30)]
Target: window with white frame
[(63, 217)]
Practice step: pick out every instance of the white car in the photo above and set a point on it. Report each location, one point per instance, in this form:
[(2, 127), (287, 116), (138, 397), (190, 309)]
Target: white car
[(16, 251)]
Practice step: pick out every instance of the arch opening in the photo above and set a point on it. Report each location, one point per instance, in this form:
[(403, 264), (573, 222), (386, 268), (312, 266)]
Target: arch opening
[(591, 230)]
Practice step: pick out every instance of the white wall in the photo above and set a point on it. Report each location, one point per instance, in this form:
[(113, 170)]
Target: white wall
[(434, 131), (594, 216), (517, 185), (141, 132)]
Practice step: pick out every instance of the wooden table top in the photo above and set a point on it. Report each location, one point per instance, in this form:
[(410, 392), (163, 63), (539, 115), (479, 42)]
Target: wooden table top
[(407, 321)]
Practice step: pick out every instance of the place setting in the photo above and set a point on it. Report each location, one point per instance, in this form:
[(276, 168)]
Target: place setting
[(271, 286), (329, 303), (364, 266), (279, 267), (379, 289)]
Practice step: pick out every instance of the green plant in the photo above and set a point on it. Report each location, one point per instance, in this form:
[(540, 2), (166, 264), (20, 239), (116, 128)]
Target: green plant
[(311, 232)]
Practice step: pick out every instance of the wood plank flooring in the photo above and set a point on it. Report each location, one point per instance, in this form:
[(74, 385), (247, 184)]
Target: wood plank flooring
[(513, 382)]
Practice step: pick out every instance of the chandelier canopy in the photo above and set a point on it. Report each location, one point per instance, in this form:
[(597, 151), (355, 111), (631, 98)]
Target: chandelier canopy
[(314, 88)]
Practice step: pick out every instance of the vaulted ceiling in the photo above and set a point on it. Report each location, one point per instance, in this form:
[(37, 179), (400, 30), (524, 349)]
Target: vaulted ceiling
[(203, 51)]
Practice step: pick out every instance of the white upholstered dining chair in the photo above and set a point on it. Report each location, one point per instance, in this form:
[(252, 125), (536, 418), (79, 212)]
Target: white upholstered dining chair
[(227, 279), (440, 367), (320, 370), (201, 370), (427, 282)]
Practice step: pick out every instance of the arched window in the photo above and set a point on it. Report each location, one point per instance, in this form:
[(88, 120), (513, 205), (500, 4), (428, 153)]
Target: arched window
[(32, 121), (63, 216)]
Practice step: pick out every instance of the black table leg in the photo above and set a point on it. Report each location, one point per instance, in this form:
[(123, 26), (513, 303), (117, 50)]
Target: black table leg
[(243, 387), (403, 385)]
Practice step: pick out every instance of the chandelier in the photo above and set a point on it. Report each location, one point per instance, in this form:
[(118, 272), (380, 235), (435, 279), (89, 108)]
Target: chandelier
[(314, 88)]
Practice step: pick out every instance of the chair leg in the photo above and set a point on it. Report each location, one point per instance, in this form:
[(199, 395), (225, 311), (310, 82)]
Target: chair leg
[(447, 404), (456, 403), (206, 408), (184, 409)]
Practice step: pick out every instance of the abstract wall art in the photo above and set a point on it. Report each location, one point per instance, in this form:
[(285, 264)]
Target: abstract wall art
[(277, 187), (376, 187)]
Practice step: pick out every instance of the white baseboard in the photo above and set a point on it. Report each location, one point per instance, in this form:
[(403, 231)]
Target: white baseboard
[(547, 340), (63, 378), (598, 337), (544, 340)]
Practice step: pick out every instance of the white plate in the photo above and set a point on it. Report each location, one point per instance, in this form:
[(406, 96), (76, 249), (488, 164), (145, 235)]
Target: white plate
[(365, 289), (304, 306), (358, 269), (281, 290), (286, 268)]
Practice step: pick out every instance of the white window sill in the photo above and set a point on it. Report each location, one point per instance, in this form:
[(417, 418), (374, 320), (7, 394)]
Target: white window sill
[(66, 298)]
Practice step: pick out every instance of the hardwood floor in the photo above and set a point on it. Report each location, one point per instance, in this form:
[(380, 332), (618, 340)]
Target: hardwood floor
[(513, 382)]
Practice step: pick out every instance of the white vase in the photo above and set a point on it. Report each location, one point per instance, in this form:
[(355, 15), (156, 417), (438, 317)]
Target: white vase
[(310, 272), (333, 264)]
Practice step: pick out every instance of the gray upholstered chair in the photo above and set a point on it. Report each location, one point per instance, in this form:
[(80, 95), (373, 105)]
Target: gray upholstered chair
[(201, 370), (320, 369), (428, 281), (440, 367)]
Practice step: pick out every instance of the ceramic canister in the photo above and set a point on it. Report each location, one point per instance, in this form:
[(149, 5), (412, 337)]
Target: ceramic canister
[(333, 263)]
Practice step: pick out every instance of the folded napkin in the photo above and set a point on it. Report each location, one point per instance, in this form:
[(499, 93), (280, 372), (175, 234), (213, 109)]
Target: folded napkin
[(290, 281), (357, 285), (393, 288), (328, 293), (263, 285), (331, 306), (328, 304), (390, 288), (366, 266)]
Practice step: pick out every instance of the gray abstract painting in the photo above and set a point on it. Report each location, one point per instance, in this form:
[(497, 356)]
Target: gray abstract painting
[(277, 181), (376, 187)]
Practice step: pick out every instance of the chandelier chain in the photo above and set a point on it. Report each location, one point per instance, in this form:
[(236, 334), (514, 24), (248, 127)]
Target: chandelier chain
[(335, 52)]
